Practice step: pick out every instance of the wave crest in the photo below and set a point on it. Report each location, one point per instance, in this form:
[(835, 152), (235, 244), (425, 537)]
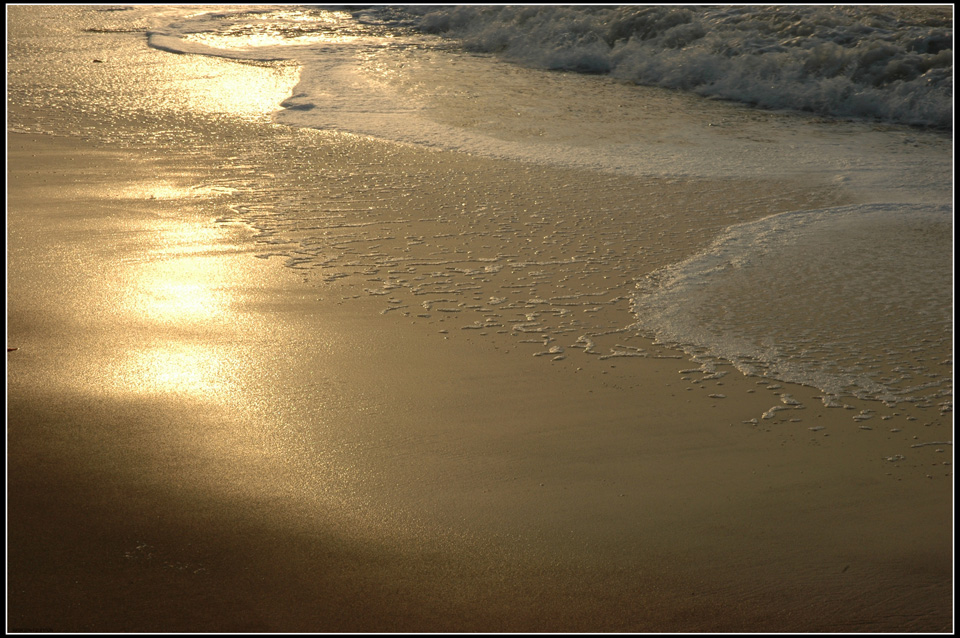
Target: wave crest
[(890, 63)]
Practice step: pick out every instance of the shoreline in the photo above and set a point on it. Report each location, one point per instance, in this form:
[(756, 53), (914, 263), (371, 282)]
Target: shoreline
[(282, 380), (438, 481)]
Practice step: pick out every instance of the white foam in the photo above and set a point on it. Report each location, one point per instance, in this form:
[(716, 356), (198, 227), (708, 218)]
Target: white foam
[(413, 89), (746, 299), (893, 63), (840, 299)]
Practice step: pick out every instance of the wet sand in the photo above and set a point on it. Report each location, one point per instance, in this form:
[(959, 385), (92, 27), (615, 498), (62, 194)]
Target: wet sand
[(201, 440)]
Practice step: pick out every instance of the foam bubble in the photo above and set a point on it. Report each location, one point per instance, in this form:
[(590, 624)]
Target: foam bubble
[(853, 300)]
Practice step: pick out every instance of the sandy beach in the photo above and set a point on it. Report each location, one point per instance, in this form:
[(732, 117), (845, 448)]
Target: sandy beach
[(206, 435)]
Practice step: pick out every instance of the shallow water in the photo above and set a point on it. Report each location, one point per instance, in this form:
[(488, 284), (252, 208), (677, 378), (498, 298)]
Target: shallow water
[(877, 270), (853, 300)]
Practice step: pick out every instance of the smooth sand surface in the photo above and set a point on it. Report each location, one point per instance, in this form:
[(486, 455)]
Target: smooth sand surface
[(200, 440)]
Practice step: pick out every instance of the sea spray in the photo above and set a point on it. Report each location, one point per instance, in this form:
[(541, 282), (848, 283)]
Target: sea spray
[(890, 63)]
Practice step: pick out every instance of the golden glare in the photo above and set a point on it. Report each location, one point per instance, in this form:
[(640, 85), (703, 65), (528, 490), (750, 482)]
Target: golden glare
[(162, 190), (180, 302), (185, 238), (281, 28), (185, 287), (174, 367), (181, 284), (219, 87)]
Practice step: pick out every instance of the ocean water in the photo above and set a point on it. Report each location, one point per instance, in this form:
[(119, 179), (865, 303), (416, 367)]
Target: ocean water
[(854, 299), (470, 79), (892, 63)]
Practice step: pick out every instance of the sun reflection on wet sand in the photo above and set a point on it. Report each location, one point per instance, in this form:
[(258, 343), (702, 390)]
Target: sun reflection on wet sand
[(268, 29), (165, 190), (177, 367), (179, 284), (250, 90), (181, 301), (183, 287), (238, 92)]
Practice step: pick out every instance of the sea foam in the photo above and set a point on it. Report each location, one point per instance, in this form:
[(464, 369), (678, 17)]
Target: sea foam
[(878, 272), (890, 63), (852, 300)]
